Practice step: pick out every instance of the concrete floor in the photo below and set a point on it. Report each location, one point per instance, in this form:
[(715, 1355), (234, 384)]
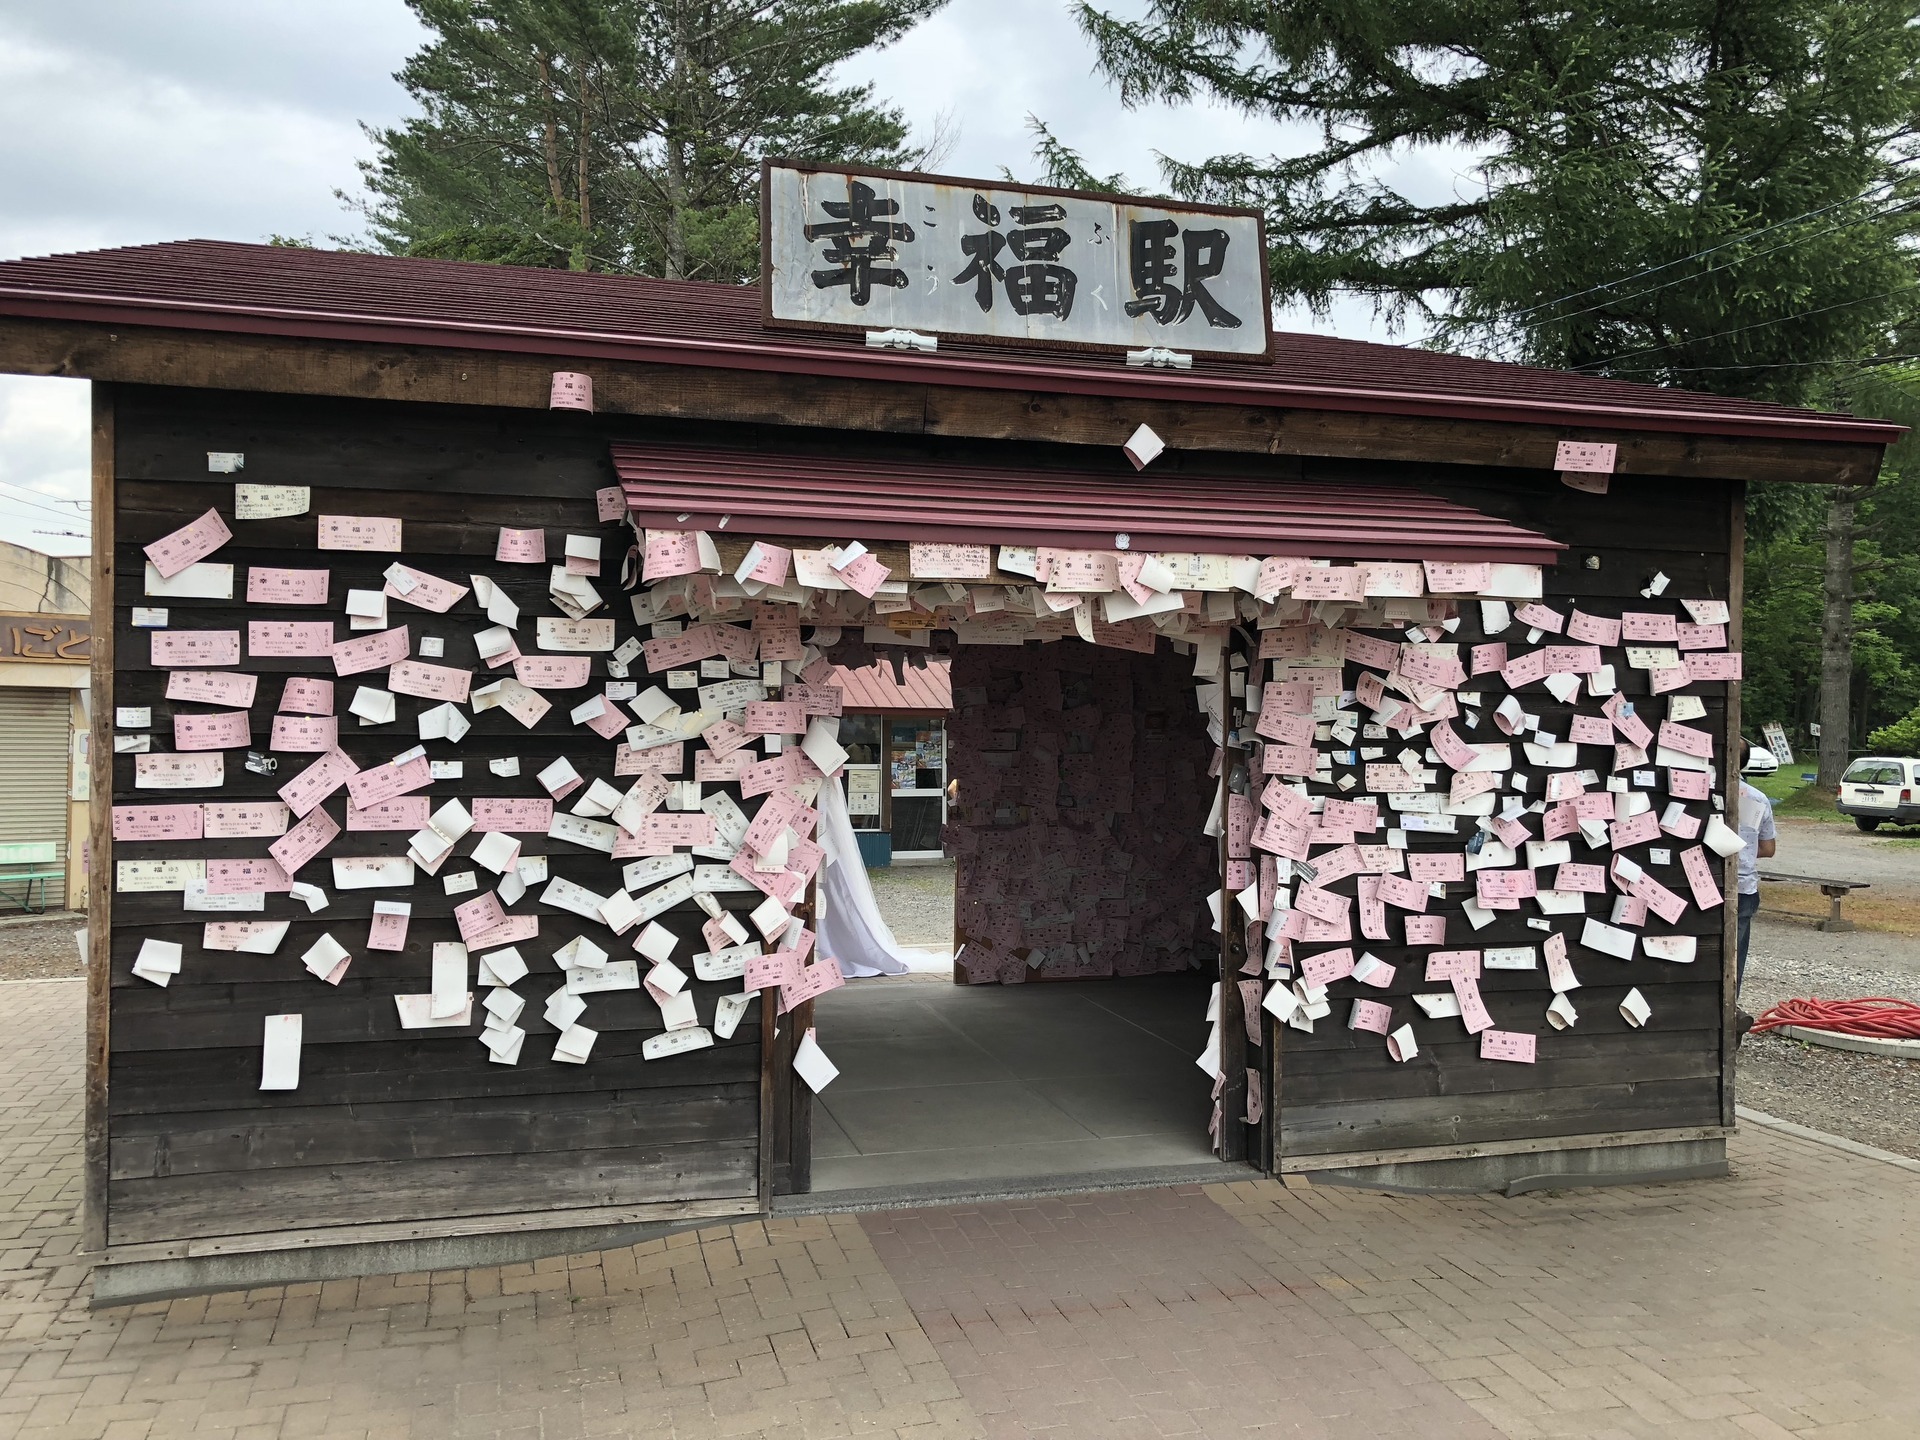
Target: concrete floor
[(955, 1083)]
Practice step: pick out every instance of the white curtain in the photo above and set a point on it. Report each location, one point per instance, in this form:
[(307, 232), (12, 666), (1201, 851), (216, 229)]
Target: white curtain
[(851, 928)]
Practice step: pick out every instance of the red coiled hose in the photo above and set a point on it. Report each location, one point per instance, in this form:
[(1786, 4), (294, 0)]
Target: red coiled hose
[(1880, 1018)]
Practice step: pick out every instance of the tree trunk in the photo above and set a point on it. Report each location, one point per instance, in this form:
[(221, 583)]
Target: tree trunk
[(550, 139), (583, 152), (1836, 637), (674, 237)]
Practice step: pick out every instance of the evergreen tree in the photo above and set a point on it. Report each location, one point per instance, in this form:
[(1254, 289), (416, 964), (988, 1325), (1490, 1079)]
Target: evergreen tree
[(623, 135), (1719, 194)]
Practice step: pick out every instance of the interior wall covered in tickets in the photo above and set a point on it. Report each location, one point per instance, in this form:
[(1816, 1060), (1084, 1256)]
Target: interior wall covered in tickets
[(1083, 791)]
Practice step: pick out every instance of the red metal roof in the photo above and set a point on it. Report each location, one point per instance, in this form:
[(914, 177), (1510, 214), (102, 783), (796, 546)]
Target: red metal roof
[(761, 493), (929, 689), (321, 294)]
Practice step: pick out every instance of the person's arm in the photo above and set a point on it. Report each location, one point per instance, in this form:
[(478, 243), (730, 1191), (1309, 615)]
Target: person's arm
[(1767, 847)]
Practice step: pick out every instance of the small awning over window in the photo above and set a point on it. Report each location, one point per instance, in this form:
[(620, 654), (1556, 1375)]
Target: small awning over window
[(824, 497)]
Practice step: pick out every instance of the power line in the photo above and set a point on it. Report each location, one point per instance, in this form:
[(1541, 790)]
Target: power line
[(66, 515), (1756, 325), (1709, 250)]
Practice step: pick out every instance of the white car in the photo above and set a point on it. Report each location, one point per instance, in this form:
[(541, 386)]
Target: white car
[(1760, 761), (1879, 790)]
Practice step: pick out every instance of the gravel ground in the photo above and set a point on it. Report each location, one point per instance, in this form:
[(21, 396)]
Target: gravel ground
[(1863, 1097), (40, 949), (1888, 861), (917, 902)]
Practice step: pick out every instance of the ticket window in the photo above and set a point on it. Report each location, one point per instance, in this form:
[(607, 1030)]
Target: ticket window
[(917, 785)]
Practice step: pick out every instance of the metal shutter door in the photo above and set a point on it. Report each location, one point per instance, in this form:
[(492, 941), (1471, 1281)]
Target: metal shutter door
[(34, 730)]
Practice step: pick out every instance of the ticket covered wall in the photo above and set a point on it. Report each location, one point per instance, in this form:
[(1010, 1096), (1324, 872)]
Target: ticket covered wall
[(1083, 793), (384, 1123)]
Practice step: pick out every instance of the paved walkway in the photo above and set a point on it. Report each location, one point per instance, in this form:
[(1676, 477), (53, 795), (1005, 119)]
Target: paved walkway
[(1782, 1301)]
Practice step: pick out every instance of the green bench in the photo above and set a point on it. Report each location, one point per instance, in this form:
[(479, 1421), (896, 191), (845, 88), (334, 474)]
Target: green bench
[(38, 856)]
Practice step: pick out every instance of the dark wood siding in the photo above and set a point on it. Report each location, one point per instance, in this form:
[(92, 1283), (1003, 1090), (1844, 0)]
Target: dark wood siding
[(1339, 1092), (386, 1124)]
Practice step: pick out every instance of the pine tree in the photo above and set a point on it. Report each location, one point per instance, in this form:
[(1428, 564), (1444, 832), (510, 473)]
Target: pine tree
[(623, 135)]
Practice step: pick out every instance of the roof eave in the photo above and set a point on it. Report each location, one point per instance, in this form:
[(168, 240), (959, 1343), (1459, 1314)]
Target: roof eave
[(976, 372)]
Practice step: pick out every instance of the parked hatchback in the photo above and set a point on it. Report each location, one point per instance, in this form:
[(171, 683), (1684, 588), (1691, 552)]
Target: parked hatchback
[(1880, 789)]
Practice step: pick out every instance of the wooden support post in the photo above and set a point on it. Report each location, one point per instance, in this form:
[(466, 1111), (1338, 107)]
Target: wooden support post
[(99, 858), (1735, 761), (1233, 946)]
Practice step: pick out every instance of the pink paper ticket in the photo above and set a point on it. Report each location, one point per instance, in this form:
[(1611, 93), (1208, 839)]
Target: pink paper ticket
[(405, 812), (194, 541), (1712, 665), (371, 652), (297, 638), (269, 586), (521, 547), (510, 931), (1685, 739), (865, 575), (789, 767), (479, 915), (358, 532), (1506, 1045), (1406, 893), (1370, 1015), (720, 769), (223, 730), (1504, 884), (766, 971), (815, 699), (416, 587), (178, 772), (1525, 669), (1703, 637), (1429, 865), (1488, 659), (814, 981), (1327, 966), (775, 717), (1330, 582), (305, 696), (657, 760), (430, 682), (305, 840), (1688, 784), (779, 642), (676, 830), (170, 649), (157, 822), (1699, 872), (1640, 626), (1559, 969), (256, 875), (239, 819), (1453, 964), (388, 930), (1454, 577), (521, 815), (304, 734), (1572, 659), (553, 672), (1473, 1010), (1632, 728), (1589, 730), (1539, 617), (1593, 629), (1425, 930), (1321, 904), (1368, 650), (317, 781), (1586, 879), (212, 687), (1634, 830), (384, 782), (669, 553)]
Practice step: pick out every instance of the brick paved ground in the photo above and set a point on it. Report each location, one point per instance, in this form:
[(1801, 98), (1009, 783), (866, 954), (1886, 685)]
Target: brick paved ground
[(1779, 1302)]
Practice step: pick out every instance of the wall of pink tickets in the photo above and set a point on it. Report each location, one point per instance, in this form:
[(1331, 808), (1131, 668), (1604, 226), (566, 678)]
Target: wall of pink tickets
[(1444, 821)]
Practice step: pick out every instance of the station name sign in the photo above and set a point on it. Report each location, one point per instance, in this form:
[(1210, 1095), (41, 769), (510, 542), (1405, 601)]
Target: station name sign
[(852, 249)]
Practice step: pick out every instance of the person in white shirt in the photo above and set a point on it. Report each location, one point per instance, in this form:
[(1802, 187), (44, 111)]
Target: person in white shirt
[(1757, 835)]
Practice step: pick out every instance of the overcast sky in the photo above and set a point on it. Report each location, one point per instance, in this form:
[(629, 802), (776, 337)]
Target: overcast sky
[(129, 122)]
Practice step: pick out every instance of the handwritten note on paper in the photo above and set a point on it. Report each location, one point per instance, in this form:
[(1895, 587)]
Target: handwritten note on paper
[(269, 586), (194, 541), (270, 502), (358, 532)]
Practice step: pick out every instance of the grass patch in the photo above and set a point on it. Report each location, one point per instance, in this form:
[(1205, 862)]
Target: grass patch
[(1792, 795)]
